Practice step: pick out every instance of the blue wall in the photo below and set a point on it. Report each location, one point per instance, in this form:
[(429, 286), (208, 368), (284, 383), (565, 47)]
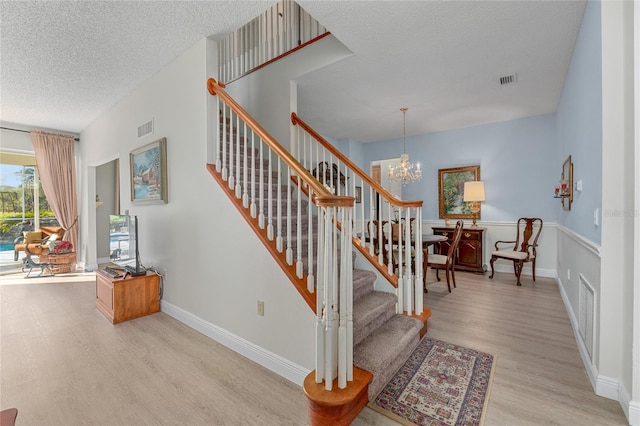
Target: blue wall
[(516, 158), (579, 123)]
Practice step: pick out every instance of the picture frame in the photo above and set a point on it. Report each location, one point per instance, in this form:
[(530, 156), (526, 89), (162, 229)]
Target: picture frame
[(148, 173), (451, 191), (358, 194)]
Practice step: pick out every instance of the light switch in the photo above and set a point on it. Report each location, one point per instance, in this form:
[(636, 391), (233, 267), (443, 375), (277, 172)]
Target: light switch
[(596, 217)]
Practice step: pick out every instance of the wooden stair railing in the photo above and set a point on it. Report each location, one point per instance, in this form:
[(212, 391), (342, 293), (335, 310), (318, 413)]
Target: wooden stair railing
[(249, 164), (336, 171)]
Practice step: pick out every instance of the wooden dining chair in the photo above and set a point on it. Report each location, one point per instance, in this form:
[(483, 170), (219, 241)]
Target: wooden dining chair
[(8, 417), (523, 250), (446, 262), (378, 236), (378, 239)]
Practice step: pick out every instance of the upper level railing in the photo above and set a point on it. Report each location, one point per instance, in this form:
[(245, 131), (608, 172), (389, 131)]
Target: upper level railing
[(379, 225), (281, 29), (300, 231)]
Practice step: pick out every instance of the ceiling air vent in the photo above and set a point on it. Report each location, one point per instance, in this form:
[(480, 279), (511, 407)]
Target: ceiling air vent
[(508, 79), (145, 129)]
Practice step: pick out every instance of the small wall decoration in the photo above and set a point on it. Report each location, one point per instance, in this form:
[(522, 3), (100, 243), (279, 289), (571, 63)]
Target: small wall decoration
[(149, 173), (358, 194), (451, 190), (566, 184)]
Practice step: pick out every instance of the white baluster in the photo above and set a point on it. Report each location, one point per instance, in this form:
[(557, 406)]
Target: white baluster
[(238, 187), (245, 178), (270, 199), (261, 215), (279, 242), (320, 308), (220, 129), (253, 208), (225, 170), (299, 262), (310, 272), (419, 263), (289, 253)]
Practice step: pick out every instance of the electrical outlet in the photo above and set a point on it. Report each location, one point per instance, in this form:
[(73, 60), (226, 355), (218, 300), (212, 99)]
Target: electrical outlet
[(260, 308)]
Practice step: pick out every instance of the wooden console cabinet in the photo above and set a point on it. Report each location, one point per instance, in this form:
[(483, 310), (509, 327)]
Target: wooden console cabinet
[(122, 299), (470, 255)]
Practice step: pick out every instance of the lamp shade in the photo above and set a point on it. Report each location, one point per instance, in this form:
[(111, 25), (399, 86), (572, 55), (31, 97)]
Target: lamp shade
[(474, 191)]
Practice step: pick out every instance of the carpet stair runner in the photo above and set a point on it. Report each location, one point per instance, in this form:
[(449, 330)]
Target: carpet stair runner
[(383, 340)]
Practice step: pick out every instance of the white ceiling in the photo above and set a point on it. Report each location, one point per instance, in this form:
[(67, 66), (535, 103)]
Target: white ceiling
[(64, 63)]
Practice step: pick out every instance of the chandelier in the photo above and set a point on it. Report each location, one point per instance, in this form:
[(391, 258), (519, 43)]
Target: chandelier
[(403, 171)]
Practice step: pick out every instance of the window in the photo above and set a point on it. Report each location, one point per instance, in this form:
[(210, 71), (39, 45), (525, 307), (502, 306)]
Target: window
[(23, 205)]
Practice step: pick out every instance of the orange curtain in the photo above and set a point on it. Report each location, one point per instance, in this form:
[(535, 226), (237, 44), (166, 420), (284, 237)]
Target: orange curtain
[(55, 157)]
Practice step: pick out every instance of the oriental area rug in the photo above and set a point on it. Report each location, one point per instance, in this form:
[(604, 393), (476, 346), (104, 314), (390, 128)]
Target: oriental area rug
[(439, 384)]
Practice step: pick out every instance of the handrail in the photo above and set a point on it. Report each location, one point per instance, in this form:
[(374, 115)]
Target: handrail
[(400, 203), (323, 196)]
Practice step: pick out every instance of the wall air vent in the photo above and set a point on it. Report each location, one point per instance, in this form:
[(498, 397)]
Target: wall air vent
[(508, 79), (145, 129)]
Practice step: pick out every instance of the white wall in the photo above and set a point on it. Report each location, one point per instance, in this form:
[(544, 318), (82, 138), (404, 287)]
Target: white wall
[(618, 179), (265, 94), (215, 268)]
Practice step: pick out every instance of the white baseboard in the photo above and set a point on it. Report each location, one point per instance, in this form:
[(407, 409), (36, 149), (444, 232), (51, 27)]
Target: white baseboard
[(634, 413), (265, 358), (609, 388)]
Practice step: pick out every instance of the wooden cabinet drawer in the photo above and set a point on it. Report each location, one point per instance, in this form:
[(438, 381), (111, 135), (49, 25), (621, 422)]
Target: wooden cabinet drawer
[(471, 235), (470, 253)]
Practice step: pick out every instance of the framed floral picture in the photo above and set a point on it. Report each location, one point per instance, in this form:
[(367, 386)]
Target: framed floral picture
[(148, 165), (451, 191)]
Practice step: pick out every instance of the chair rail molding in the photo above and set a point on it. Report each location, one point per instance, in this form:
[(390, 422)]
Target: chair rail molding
[(585, 242)]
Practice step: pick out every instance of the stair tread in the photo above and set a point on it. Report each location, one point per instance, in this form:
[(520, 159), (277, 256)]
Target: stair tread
[(373, 346), (370, 312), (382, 359), (362, 283)]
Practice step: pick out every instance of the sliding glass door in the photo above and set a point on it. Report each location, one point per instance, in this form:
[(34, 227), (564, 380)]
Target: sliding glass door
[(23, 204)]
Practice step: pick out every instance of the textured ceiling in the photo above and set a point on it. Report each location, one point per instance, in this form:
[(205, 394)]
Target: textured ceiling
[(64, 63)]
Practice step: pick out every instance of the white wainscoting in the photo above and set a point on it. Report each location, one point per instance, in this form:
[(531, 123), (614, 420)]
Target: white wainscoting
[(279, 365), (579, 265)]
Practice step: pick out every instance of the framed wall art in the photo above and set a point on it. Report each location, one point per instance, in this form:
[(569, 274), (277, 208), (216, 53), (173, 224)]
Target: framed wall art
[(148, 166), (451, 190), (358, 194)]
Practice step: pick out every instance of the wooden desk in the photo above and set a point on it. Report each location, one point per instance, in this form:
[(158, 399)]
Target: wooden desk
[(123, 299)]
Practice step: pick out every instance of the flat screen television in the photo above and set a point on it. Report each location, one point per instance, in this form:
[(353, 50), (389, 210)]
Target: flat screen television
[(123, 243)]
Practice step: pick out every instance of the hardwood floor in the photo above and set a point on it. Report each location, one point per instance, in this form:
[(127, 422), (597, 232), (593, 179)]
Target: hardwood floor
[(62, 362)]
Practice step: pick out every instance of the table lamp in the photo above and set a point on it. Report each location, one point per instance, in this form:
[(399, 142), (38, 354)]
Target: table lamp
[(474, 193)]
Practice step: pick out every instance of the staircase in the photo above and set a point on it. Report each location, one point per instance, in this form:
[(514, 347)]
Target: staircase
[(383, 340), (287, 223)]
